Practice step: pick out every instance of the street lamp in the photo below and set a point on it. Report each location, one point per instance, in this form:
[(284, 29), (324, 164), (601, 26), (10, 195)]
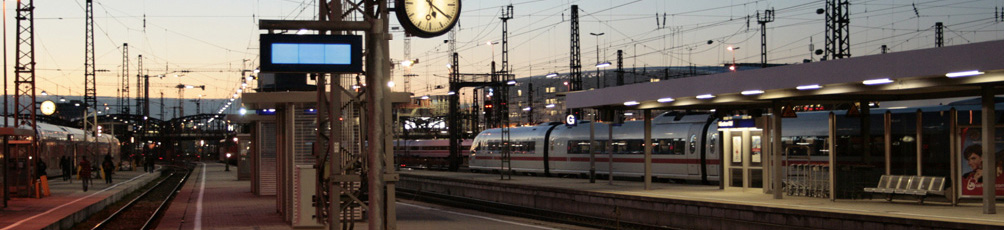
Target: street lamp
[(733, 51), (597, 57)]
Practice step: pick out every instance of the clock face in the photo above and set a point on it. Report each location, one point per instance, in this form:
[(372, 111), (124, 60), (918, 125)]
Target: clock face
[(427, 18), (47, 107)]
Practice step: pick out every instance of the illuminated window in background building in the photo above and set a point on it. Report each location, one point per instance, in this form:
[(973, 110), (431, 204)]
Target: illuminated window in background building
[(653, 80), (550, 101), (554, 112), (549, 90), (519, 92)]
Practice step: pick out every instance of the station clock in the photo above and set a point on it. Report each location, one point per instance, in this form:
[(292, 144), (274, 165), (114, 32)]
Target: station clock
[(47, 107), (427, 18)]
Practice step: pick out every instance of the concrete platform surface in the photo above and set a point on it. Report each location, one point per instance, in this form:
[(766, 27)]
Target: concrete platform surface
[(967, 212), (214, 199), (68, 203)]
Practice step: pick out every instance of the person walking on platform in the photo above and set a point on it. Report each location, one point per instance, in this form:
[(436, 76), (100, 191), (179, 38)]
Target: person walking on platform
[(85, 172), (108, 167), (67, 166), (148, 164)]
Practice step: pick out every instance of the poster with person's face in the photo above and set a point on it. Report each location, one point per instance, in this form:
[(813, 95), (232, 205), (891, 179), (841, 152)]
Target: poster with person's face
[(972, 161)]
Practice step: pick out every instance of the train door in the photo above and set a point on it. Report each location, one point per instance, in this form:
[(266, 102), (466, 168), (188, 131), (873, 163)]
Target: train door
[(742, 151), (693, 152)]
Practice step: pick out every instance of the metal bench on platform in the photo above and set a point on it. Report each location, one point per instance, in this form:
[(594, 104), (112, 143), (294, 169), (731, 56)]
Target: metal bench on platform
[(920, 186)]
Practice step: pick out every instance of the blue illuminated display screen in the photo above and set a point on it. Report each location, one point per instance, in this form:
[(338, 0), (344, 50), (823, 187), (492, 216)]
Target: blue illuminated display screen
[(285, 53), (292, 53)]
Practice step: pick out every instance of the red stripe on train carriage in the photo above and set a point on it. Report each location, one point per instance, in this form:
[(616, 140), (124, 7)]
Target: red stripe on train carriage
[(603, 159)]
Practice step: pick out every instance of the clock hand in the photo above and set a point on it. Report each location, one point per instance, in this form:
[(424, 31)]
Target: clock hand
[(437, 9)]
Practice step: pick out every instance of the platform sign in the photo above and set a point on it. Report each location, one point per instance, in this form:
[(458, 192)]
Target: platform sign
[(972, 161), (571, 120), (736, 123), (311, 53)]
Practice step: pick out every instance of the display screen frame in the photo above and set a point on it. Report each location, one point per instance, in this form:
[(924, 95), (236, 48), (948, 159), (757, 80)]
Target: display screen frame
[(316, 62)]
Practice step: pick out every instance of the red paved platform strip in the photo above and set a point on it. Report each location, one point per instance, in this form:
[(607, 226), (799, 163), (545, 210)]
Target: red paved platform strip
[(68, 203), (226, 203)]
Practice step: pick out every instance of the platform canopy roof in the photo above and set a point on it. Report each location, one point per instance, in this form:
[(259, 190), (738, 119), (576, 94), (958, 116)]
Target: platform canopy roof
[(914, 75)]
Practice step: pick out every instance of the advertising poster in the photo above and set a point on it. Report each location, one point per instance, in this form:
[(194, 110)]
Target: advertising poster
[(737, 149), (972, 161), (755, 151)]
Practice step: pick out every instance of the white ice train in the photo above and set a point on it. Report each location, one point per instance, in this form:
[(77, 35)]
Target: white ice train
[(686, 147), (57, 141), (682, 148)]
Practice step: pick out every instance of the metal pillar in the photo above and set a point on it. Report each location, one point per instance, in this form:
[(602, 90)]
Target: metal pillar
[(832, 147), (920, 142), (866, 129), (989, 121), (610, 152), (648, 144), (592, 148), (768, 16), (776, 149), (453, 117), (380, 214), (124, 100), (887, 137), (953, 120)]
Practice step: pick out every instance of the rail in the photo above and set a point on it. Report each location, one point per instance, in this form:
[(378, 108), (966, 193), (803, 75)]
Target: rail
[(107, 222)]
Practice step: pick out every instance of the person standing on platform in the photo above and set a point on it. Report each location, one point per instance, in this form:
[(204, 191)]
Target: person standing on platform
[(66, 165), (85, 172), (40, 167), (108, 167)]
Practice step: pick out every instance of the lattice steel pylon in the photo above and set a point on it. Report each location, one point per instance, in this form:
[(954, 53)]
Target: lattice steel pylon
[(768, 16), (124, 100), (140, 90), (90, 90), (939, 34), (575, 60), (838, 23), (502, 99), (24, 95)]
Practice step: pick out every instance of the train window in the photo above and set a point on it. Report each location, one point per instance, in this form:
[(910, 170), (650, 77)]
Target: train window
[(635, 147), (713, 142), (578, 147), (529, 147), (620, 147), (693, 143)]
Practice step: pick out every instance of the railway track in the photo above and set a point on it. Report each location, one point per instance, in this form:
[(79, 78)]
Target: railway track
[(524, 212), (144, 209)]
